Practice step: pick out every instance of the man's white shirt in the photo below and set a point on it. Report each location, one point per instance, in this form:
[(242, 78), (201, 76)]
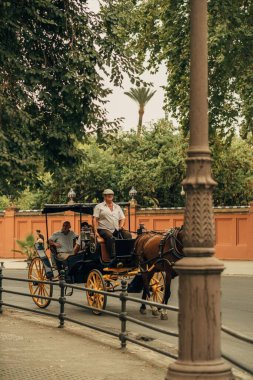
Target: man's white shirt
[(66, 241), (108, 219)]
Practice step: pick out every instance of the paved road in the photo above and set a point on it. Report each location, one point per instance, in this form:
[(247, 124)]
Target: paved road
[(237, 313)]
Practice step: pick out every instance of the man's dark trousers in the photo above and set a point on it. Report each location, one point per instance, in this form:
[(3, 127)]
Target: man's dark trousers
[(108, 237)]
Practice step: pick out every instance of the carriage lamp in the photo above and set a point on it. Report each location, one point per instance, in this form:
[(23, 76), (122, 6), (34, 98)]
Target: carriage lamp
[(133, 193), (182, 192), (71, 196)]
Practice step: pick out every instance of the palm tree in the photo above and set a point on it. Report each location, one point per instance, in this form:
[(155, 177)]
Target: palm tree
[(140, 95)]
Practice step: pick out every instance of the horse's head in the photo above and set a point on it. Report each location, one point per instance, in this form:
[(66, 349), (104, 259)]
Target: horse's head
[(174, 240)]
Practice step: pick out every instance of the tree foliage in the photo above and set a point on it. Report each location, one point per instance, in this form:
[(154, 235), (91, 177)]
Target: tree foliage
[(54, 56), (154, 164), (233, 170), (159, 33)]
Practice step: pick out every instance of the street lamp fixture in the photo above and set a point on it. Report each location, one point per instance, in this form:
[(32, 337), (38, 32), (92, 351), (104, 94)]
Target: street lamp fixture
[(182, 193), (133, 193), (71, 196)]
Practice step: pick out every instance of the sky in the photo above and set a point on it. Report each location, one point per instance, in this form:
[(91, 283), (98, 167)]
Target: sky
[(120, 105)]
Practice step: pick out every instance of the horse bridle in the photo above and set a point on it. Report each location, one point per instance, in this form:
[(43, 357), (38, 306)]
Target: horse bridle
[(172, 236)]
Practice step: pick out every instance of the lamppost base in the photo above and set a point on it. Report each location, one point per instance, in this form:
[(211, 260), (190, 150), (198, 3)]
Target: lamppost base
[(216, 369)]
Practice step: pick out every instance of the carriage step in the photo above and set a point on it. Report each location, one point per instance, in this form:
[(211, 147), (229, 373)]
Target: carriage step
[(129, 271)]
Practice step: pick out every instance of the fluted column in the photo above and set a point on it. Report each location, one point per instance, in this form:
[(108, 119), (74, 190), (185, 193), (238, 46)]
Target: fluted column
[(199, 272)]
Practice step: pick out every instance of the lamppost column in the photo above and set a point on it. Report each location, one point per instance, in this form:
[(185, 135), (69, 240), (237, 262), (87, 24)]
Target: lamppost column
[(199, 271)]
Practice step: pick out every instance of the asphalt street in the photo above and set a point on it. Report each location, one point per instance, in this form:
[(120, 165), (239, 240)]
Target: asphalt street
[(237, 313)]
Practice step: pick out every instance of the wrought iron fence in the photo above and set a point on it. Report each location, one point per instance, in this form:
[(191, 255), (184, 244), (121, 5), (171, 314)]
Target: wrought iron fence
[(122, 315)]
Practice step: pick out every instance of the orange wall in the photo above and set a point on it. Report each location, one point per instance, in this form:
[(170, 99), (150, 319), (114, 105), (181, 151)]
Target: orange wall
[(234, 227)]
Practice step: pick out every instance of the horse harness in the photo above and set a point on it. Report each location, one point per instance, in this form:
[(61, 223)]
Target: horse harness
[(171, 236)]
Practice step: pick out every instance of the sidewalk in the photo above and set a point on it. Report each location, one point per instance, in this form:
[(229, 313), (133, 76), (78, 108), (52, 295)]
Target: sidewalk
[(232, 267), (32, 347)]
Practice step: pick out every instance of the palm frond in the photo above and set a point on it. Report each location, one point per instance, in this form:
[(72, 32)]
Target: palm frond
[(141, 95)]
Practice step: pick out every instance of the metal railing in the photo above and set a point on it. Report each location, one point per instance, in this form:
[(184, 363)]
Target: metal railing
[(122, 316), (62, 317)]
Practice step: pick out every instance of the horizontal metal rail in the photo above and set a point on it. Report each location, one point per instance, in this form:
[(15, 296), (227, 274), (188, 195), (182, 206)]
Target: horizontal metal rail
[(31, 310), (135, 341), (123, 297), (150, 303), (112, 313), (89, 325), (236, 335), (30, 295), (83, 288), (237, 364), (149, 326), (27, 280)]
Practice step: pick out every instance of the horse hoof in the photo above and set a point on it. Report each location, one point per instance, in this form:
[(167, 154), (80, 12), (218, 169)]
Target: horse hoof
[(164, 317), (155, 313), (143, 311)]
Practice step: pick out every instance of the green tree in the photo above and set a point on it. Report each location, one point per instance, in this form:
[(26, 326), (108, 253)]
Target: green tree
[(154, 165), (159, 33), (142, 96), (54, 56), (233, 171)]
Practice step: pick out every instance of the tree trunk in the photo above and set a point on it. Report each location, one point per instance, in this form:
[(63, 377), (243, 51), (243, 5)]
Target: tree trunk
[(139, 126)]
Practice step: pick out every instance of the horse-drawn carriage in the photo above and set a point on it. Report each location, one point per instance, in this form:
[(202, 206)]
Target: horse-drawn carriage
[(90, 265)]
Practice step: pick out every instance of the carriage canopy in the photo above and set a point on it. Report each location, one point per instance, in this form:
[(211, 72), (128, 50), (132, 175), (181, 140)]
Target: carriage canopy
[(81, 208)]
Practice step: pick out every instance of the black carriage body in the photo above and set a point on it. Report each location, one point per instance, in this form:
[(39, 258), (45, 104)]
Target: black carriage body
[(78, 267)]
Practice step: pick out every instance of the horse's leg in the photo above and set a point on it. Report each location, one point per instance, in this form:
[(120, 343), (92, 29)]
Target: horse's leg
[(164, 314), (145, 294), (154, 309), (143, 306)]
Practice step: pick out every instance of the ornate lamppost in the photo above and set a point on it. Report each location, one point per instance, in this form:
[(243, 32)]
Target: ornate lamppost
[(71, 196), (132, 194), (199, 272)]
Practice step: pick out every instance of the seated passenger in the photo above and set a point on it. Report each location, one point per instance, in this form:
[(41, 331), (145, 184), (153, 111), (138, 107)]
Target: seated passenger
[(64, 241), (83, 237), (109, 221)]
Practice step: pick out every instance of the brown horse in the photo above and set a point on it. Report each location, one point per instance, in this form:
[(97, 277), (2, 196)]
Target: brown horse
[(158, 253)]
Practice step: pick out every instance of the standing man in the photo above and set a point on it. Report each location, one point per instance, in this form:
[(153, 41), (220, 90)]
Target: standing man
[(64, 241), (109, 220)]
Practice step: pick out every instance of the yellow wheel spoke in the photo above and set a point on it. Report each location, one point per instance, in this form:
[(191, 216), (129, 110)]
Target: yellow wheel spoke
[(37, 273), (46, 291), (43, 290), (95, 282), (32, 277), (34, 292)]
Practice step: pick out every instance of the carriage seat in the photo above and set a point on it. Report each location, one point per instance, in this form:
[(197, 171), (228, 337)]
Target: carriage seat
[(104, 254), (100, 240)]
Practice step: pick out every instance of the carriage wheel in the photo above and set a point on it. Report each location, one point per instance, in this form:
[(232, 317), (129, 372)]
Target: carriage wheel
[(95, 281), (157, 287), (37, 273)]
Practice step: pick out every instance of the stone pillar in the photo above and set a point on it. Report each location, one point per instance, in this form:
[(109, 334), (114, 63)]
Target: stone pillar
[(250, 229), (9, 232), (199, 272)]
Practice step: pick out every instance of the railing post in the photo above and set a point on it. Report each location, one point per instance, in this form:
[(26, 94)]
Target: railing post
[(62, 298), (1, 288), (123, 313)]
